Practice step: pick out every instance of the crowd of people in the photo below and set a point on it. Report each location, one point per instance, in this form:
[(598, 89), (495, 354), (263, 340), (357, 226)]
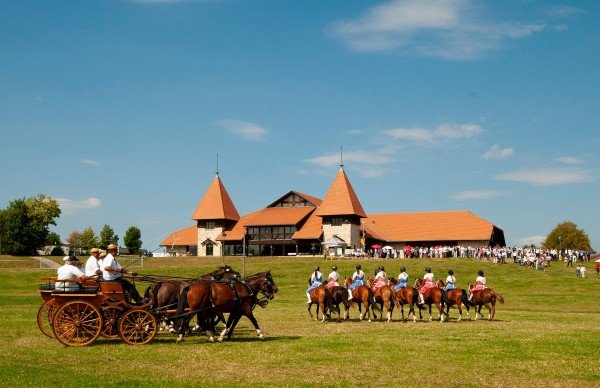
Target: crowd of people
[(100, 266)]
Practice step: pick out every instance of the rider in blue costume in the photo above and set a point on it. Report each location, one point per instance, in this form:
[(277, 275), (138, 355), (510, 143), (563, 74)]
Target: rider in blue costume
[(450, 281), (316, 279), (402, 279), (358, 279)]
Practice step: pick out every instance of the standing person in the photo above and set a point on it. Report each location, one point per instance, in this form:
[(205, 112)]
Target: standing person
[(450, 281), (68, 275), (92, 265), (315, 280), (479, 284), (428, 284), (112, 270), (358, 279), (402, 279), (333, 278)]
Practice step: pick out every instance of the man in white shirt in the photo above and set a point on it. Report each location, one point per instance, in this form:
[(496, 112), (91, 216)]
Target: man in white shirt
[(68, 275), (111, 270), (92, 265)]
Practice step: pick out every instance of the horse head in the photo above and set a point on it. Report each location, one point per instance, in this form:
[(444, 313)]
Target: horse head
[(440, 283), (264, 283), (347, 282), (418, 283), (393, 281)]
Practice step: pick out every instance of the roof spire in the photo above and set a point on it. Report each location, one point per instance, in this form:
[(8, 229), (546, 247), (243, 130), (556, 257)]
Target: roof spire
[(341, 157), (217, 165)]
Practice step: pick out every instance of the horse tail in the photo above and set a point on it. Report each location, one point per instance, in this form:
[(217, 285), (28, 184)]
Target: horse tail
[(372, 300), (498, 296), (465, 298), (181, 304), (329, 302), (445, 299), (395, 298)]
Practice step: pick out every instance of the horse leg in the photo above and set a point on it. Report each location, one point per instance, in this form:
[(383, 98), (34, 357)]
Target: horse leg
[(250, 316), (309, 307), (430, 317), (440, 308), (228, 326), (360, 314)]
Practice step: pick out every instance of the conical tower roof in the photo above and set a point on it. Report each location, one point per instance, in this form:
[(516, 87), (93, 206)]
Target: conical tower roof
[(341, 199), (216, 204)]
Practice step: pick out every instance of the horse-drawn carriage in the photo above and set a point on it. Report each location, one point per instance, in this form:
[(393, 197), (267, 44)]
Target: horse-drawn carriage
[(78, 317)]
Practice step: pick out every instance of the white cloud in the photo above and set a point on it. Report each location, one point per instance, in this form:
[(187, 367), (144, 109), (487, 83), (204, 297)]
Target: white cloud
[(355, 132), (249, 131), (477, 195), (569, 160), (451, 29), (90, 162), (535, 240), (368, 164), (498, 153), (549, 176), (562, 11), (443, 132), (70, 206)]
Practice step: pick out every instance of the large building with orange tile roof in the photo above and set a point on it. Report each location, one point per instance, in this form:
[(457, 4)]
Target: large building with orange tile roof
[(298, 223)]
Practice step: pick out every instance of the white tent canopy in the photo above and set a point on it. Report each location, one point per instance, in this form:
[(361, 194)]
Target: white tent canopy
[(335, 241)]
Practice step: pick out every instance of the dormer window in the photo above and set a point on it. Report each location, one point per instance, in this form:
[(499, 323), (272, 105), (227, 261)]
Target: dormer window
[(210, 224)]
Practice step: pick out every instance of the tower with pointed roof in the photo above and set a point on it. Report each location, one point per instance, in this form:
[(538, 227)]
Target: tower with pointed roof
[(214, 214), (341, 211)]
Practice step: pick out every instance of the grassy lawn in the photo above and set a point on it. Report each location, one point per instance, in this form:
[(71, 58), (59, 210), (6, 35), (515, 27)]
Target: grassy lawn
[(547, 333)]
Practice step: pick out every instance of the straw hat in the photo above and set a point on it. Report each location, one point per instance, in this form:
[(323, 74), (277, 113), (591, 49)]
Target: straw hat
[(94, 250), (112, 247), (103, 255)]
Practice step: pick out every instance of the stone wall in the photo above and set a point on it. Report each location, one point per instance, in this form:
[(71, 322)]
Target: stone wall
[(350, 233)]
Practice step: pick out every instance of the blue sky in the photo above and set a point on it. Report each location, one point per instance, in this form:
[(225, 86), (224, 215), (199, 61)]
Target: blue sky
[(118, 108)]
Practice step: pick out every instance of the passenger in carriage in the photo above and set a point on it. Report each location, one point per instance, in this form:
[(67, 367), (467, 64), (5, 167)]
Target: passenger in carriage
[(112, 270), (69, 275), (402, 279), (450, 281), (428, 284), (479, 284), (333, 277), (316, 279), (358, 279), (92, 265)]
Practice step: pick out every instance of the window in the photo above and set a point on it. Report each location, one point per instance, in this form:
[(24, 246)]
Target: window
[(336, 221), (210, 224)]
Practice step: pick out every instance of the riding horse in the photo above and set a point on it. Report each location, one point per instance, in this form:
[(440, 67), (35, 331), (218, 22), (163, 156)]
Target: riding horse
[(236, 297), (435, 296), (339, 295), (386, 297), (406, 295), (322, 298), (486, 297), (363, 297), (457, 297)]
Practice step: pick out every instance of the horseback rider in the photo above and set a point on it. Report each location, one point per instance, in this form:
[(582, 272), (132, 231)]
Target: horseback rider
[(402, 279), (380, 279), (479, 284), (358, 279), (450, 281), (427, 285), (315, 280), (333, 277)]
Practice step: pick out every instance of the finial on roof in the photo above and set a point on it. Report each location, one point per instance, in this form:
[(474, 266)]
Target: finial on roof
[(341, 157), (217, 165)]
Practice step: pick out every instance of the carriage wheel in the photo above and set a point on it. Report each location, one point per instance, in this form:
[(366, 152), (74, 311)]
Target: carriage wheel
[(77, 323), (137, 327), (111, 315), (45, 317)]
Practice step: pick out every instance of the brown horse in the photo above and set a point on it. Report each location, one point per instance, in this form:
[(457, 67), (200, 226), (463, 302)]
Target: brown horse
[(486, 297), (322, 298), (363, 297), (406, 295), (339, 295), (435, 296), (457, 297), (386, 297), (236, 297)]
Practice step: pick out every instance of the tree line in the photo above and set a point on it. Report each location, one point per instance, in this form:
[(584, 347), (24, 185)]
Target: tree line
[(25, 228)]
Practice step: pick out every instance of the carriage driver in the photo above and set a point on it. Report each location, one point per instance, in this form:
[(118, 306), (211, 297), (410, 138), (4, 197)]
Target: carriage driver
[(68, 275), (358, 279), (111, 270), (315, 280), (402, 279)]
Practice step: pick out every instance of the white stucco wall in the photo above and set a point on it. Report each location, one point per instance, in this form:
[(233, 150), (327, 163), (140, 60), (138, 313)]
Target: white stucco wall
[(212, 234)]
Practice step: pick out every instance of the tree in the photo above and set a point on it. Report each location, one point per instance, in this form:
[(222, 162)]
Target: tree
[(75, 242), (132, 239), (107, 236), (24, 224), (88, 239), (567, 235), (53, 239)]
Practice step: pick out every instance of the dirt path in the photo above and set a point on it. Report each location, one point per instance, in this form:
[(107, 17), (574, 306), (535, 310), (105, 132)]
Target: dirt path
[(47, 263)]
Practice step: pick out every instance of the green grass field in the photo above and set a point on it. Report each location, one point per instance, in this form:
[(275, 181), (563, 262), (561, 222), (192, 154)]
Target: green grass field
[(547, 333)]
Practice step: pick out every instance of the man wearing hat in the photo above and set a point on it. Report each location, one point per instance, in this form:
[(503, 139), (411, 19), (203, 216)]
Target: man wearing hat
[(68, 275), (111, 270), (92, 265), (334, 276)]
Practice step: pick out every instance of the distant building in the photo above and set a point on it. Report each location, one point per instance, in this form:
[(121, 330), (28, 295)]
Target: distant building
[(298, 223)]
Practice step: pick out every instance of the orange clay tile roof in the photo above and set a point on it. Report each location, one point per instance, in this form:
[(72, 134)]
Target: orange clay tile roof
[(312, 229), (236, 233), (185, 236), (281, 216), (216, 204), (458, 225), (341, 199)]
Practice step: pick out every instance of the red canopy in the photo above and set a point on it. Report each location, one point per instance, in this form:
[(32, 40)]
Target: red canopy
[(376, 246)]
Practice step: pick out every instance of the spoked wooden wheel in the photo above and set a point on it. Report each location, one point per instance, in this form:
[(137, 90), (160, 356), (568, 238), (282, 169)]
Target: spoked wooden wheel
[(137, 327), (77, 323), (111, 315), (45, 317)]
